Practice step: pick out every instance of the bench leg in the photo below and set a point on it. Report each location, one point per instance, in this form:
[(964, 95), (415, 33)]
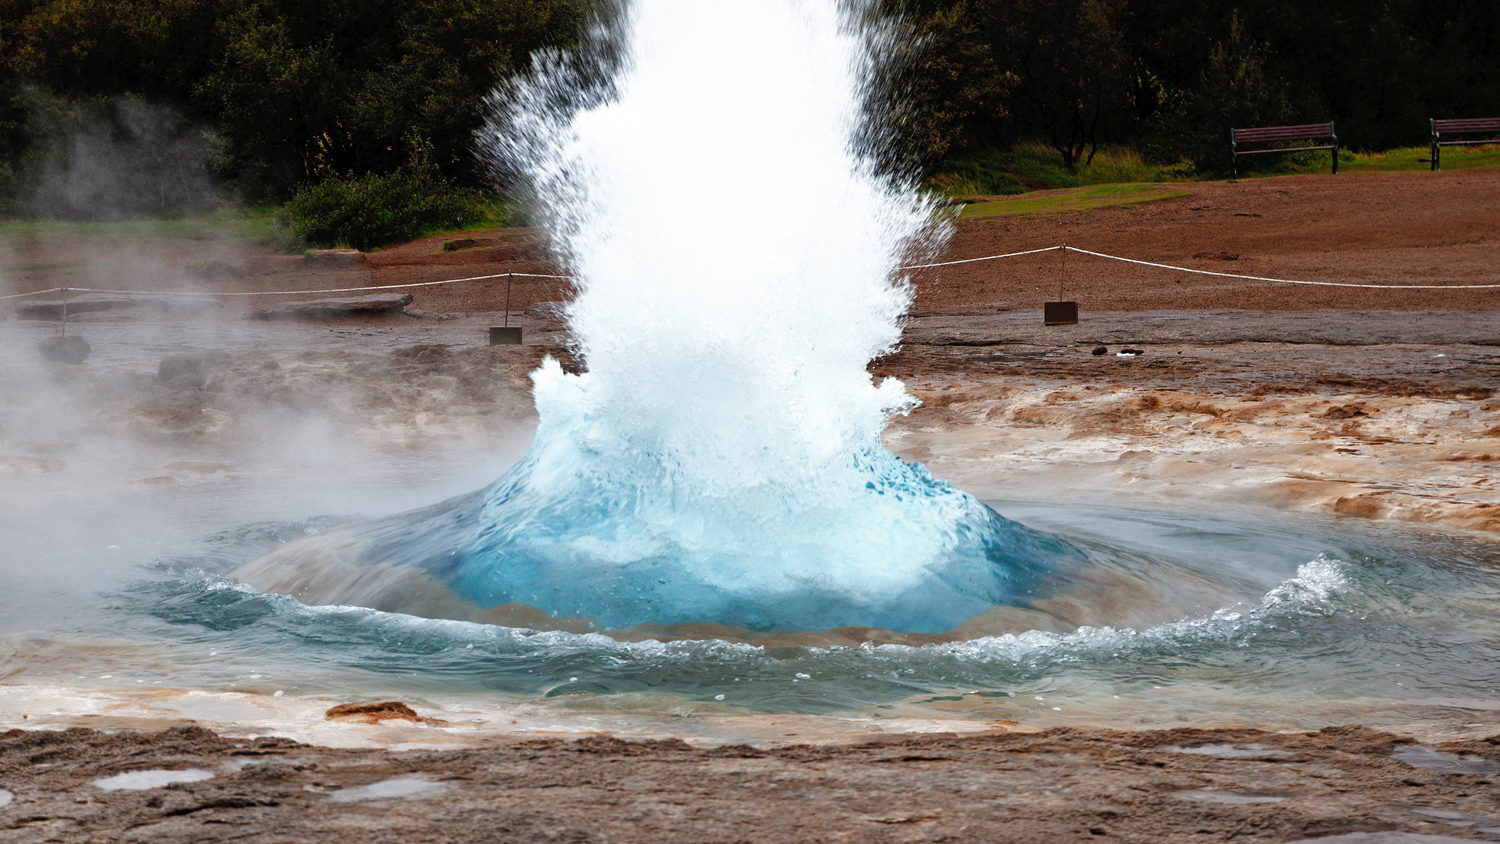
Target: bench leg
[(1437, 150), (1335, 159)]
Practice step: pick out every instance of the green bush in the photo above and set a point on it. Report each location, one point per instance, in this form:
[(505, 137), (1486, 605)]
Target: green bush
[(370, 211)]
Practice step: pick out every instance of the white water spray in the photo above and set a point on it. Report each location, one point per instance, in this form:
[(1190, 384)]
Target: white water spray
[(736, 253)]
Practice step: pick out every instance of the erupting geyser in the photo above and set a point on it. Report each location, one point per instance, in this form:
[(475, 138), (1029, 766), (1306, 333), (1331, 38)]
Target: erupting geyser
[(737, 258)]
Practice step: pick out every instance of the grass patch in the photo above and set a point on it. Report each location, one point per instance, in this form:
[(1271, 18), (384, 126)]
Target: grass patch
[(1417, 158), (1031, 167), (1028, 167), (1073, 199), (1400, 160)]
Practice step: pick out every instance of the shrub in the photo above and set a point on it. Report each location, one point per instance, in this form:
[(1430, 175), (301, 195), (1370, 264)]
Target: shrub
[(370, 211)]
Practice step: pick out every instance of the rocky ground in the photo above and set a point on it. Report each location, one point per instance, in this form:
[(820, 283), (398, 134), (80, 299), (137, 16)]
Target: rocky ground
[(1364, 414), (1344, 785)]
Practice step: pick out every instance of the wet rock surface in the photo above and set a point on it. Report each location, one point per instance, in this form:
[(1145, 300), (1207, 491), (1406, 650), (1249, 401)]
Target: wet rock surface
[(375, 303), (87, 303), (1059, 785)]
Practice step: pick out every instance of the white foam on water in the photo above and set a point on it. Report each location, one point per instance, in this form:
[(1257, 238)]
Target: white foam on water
[(1310, 592), (156, 778)]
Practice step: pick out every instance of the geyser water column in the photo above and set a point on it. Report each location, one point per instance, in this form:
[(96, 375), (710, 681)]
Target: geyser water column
[(736, 251)]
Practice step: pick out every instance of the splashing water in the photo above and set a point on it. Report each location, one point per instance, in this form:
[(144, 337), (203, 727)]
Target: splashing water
[(737, 254)]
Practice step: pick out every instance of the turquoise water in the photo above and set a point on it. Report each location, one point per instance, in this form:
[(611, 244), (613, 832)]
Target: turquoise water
[(1303, 613)]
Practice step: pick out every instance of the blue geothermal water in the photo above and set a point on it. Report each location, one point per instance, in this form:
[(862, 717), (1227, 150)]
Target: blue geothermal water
[(714, 191)]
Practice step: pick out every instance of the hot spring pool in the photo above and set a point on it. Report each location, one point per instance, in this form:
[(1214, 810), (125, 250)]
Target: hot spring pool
[(1175, 618)]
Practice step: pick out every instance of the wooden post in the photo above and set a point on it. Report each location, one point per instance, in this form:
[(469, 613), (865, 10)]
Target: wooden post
[(505, 335), (1234, 158)]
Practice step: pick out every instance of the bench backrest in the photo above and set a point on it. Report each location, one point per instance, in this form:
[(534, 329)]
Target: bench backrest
[(1284, 133), (1476, 124)]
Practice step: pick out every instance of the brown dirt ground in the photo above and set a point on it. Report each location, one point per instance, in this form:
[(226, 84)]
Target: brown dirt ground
[(1425, 228), (1403, 228)]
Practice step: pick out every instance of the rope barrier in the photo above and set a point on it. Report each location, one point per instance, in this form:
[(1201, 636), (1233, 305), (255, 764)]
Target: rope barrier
[(986, 258), (1064, 248), (1289, 281), (33, 293), (282, 292)]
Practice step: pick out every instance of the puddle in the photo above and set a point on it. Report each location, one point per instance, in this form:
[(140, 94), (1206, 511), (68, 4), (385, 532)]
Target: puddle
[(142, 780), (409, 786), (1232, 751), (1448, 817), (1385, 838), (1227, 797), (5, 798), (1448, 763)]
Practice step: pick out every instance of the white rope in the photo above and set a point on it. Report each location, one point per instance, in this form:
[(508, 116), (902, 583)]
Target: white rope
[(986, 258), (1289, 281), (1064, 248), (281, 292), (33, 293)]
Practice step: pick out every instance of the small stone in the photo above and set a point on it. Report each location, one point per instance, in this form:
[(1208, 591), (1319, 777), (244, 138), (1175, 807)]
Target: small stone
[(1100, 350), (182, 372), (74, 350)]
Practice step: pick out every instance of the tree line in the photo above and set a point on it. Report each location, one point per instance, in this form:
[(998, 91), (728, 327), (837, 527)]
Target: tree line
[(284, 92), (275, 95), (1171, 77)]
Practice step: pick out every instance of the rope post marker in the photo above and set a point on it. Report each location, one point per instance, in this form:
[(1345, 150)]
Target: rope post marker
[(1060, 312), (62, 348), (1062, 275), (505, 335)]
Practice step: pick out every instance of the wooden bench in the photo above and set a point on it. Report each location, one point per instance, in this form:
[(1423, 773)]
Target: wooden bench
[(1274, 134), (1473, 126)]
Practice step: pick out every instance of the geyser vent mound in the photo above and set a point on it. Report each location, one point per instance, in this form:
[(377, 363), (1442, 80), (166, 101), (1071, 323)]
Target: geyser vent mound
[(709, 177)]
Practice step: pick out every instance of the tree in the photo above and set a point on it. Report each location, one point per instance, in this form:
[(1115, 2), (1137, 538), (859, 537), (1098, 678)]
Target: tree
[(945, 89), (305, 90), (1073, 69)]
